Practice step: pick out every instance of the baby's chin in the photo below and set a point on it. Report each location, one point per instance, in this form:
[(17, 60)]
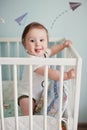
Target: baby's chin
[(39, 54)]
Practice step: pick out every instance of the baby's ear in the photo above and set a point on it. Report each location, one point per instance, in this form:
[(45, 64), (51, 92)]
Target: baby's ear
[(24, 44)]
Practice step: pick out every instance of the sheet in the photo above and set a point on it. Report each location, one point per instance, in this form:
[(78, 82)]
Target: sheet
[(52, 123)]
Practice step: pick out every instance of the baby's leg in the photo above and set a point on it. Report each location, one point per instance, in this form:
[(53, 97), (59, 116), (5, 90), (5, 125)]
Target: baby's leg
[(24, 105)]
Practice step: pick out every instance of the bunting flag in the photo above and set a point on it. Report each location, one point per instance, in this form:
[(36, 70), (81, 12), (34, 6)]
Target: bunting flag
[(20, 18), (74, 5)]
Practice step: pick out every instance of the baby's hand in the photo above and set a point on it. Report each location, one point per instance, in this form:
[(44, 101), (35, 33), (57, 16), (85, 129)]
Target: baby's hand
[(71, 74), (67, 43)]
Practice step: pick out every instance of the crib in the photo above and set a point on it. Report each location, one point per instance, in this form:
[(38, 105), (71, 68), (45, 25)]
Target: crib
[(11, 67)]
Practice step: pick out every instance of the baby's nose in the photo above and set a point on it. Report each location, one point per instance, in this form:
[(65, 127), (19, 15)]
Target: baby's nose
[(37, 42)]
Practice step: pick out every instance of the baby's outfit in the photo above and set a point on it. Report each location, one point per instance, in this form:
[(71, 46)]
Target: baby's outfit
[(38, 80)]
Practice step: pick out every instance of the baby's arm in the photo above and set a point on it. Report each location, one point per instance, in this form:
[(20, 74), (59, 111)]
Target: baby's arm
[(59, 47), (55, 74)]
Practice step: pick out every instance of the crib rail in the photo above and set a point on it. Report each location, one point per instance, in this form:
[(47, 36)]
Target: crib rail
[(71, 60), (47, 61), (12, 47)]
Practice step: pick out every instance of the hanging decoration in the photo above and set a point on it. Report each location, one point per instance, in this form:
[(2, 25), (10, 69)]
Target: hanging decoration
[(73, 6), (20, 19)]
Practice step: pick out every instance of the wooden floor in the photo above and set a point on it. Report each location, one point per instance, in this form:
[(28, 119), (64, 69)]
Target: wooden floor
[(82, 126), (82, 129)]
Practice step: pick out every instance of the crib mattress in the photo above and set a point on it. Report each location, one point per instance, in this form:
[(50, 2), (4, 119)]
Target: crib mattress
[(52, 123)]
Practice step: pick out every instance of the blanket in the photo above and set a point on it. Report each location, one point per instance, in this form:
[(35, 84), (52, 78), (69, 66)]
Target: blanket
[(53, 99)]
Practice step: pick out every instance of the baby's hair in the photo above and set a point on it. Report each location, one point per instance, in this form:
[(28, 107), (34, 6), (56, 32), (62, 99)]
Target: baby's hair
[(31, 26)]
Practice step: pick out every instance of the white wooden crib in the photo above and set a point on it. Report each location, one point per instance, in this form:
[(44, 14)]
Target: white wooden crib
[(10, 74)]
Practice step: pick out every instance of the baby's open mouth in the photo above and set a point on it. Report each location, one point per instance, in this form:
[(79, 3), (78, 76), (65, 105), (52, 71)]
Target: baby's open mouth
[(38, 50)]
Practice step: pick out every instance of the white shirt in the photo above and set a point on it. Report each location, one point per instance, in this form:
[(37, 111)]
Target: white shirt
[(38, 80)]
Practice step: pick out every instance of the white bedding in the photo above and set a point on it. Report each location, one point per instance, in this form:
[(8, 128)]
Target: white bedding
[(52, 123)]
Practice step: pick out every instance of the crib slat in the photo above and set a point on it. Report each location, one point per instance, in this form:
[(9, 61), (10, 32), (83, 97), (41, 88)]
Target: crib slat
[(15, 97), (17, 49), (8, 49), (30, 99), (0, 49), (45, 97), (61, 95), (8, 54), (1, 101), (17, 55), (77, 92)]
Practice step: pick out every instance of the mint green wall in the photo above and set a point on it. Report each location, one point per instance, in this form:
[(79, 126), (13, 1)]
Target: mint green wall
[(67, 23)]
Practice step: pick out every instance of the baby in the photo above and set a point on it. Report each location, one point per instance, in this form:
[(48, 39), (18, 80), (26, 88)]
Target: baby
[(35, 41)]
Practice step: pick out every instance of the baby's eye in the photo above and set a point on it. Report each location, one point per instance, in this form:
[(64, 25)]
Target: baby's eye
[(31, 40), (41, 40)]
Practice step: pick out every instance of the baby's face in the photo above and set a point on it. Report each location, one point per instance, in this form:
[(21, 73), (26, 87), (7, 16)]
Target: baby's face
[(36, 42)]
